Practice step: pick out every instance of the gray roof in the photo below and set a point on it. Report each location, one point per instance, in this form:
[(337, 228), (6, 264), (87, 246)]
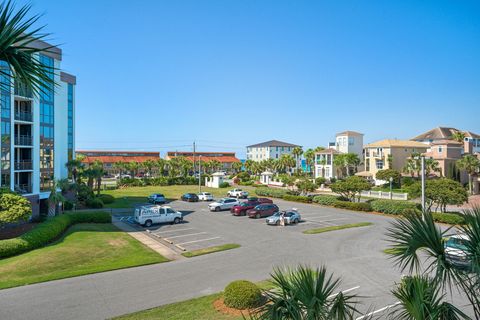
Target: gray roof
[(443, 133), (349, 133), (273, 143)]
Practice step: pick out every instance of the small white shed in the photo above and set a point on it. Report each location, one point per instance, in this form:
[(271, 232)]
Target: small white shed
[(266, 177), (215, 180)]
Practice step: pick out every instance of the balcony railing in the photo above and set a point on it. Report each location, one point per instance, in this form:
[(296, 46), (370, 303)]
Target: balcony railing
[(23, 165), (22, 140), (24, 116), (23, 91), (23, 188)]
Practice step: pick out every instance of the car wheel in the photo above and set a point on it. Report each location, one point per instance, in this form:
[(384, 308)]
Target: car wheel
[(295, 221), (277, 223), (176, 221), (257, 216), (148, 223), (217, 209)]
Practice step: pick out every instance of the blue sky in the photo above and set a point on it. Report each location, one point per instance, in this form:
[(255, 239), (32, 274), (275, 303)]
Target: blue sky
[(157, 75)]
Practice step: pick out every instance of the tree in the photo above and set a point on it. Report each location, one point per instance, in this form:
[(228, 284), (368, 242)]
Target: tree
[(133, 167), (350, 187), (287, 180), (53, 200), (248, 165), (17, 35), (471, 165), (149, 165), (13, 207), (120, 166), (442, 192), (161, 165), (73, 166), (458, 136), (386, 174), (309, 159), (413, 166), (297, 153), (432, 166), (305, 185), (306, 293), (346, 163), (288, 162), (237, 166)]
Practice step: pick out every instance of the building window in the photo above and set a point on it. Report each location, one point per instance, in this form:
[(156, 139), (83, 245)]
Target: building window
[(70, 121), (379, 164), (5, 106), (440, 149), (351, 141)]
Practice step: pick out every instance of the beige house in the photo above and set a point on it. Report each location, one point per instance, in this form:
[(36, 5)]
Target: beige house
[(389, 154)]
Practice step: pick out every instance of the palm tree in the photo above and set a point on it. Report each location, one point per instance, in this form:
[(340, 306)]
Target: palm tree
[(432, 165), (305, 293), (471, 165), (149, 165), (458, 136), (417, 244), (161, 165), (215, 164), (73, 166), (237, 166), (17, 35), (297, 152), (288, 162), (133, 167), (413, 166), (248, 165), (120, 166), (309, 159), (54, 199)]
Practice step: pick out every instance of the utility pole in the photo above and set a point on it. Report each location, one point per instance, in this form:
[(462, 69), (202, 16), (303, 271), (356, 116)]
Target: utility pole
[(423, 185), (199, 174), (194, 166)]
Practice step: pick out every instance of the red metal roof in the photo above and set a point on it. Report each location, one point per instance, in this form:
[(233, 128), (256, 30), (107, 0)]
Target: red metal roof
[(223, 159), (113, 159)]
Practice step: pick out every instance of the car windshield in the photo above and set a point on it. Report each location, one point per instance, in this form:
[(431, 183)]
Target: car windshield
[(457, 243), (276, 214)]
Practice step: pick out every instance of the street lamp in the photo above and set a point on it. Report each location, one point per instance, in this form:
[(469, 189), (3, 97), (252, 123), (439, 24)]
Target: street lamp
[(422, 162), (391, 180), (199, 173)]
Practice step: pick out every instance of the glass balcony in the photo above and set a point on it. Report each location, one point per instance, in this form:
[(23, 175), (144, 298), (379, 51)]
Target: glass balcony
[(23, 165), (22, 90), (23, 188), (24, 116), (21, 140)]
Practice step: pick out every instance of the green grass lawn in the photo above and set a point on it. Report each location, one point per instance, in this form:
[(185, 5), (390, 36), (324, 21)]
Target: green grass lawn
[(83, 249), (200, 252), (128, 197), (333, 228), (193, 309)]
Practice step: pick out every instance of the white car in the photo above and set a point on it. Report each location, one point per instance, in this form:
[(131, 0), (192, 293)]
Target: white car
[(237, 193), (456, 250), (150, 214), (205, 196), (223, 204)]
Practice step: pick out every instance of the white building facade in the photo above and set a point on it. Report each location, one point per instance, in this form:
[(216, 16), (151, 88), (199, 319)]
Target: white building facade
[(272, 149), (37, 131)]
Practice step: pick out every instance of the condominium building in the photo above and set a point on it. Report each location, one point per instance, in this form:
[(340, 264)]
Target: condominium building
[(109, 158), (37, 131), (272, 149), (226, 159), (345, 142), (471, 141), (389, 154)]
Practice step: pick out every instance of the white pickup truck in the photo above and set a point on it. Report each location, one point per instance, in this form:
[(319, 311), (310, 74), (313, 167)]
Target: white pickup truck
[(237, 193), (150, 214)]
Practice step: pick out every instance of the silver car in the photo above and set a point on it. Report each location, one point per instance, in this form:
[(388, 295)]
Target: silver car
[(291, 217), (456, 251), (223, 204)]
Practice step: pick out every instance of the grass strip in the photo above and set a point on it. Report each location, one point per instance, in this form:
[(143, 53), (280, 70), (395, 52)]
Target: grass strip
[(201, 252), (333, 228)]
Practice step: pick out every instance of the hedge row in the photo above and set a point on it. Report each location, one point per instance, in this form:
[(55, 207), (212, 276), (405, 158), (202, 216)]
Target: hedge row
[(326, 200), (356, 206), (158, 181), (290, 197), (49, 231), (396, 207), (450, 218), (270, 192)]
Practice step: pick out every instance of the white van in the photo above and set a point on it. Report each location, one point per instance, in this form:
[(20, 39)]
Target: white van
[(148, 215)]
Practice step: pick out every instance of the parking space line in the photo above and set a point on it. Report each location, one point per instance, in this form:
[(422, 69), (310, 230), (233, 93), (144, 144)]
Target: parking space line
[(198, 240), (186, 235), (174, 230), (343, 291), (368, 315)]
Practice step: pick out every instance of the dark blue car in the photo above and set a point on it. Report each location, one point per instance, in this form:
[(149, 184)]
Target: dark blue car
[(190, 197)]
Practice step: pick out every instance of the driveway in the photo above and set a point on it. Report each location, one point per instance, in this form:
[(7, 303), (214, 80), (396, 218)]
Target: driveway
[(354, 254)]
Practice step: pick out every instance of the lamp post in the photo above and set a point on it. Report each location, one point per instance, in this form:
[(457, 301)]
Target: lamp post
[(391, 180), (423, 185), (199, 173)]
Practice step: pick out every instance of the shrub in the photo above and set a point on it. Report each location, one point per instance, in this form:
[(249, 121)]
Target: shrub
[(450, 218), (224, 184), (407, 181), (270, 192), (106, 198), (320, 180), (351, 187), (245, 183), (333, 180), (67, 205), (84, 192), (49, 231), (242, 294), (13, 208), (94, 203), (356, 206), (392, 206), (243, 176), (326, 200), (290, 197)]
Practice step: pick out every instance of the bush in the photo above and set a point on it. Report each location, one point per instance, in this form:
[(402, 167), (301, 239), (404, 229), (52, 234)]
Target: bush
[(245, 183), (290, 197), (13, 208), (242, 294), (320, 180), (94, 203), (131, 182), (450, 218), (407, 181), (49, 231), (224, 184), (106, 198), (243, 176), (356, 206), (392, 206), (67, 205), (84, 192), (326, 200), (270, 192)]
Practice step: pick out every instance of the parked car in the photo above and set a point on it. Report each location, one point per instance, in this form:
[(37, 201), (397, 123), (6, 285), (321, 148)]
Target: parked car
[(261, 200), (205, 196), (123, 176), (456, 251), (190, 197), (242, 207), (151, 214), (223, 204), (237, 193), (157, 198), (262, 210), (291, 217)]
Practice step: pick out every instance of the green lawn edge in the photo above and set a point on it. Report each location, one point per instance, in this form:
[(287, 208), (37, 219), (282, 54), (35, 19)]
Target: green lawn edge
[(333, 228), (201, 252)]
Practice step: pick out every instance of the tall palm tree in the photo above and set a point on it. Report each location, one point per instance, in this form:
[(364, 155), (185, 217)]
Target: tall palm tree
[(471, 165), (288, 162), (309, 159), (54, 199), (18, 32), (215, 164), (458, 136), (248, 165), (133, 167), (306, 293), (237, 166), (161, 165), (297, 153), (432, 166), (120, 166), (149, 165), (73, 166), (413, 166)]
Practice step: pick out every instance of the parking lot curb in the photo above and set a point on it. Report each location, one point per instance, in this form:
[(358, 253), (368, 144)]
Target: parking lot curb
[(180, 247)]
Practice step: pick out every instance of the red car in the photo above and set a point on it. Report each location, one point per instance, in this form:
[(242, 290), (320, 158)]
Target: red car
[(241, 209), (261, 200), (262, 210)]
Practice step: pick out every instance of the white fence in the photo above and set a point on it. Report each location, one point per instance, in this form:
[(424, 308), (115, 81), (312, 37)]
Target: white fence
[(385, 195)]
